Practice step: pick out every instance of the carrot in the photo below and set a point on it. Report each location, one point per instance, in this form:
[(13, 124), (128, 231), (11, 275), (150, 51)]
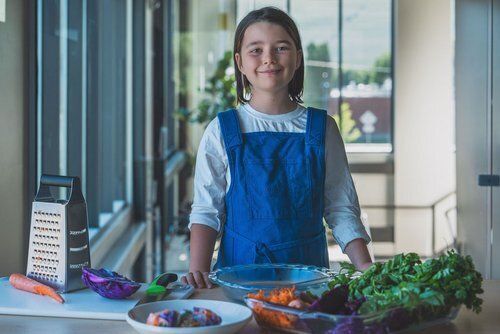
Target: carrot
[(272, 318), (21, 282), (281, 296)]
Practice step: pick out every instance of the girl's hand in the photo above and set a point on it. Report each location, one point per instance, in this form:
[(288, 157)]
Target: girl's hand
[(358, 254), (197, 279), (201, 248)]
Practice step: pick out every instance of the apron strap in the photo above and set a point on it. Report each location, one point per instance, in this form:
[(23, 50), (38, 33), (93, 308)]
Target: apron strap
[(316, 124), (266, 250), (230, 128), (259, 247)]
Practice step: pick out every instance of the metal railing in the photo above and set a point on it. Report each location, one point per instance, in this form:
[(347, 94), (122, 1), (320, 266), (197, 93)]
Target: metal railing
[(431, 207)]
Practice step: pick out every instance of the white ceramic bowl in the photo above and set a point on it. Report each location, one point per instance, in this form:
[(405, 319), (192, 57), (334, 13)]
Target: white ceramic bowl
[(234, 316)]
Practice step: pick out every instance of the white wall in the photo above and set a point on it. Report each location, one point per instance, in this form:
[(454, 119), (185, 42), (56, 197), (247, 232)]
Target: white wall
[(424, 116), (12, 136)]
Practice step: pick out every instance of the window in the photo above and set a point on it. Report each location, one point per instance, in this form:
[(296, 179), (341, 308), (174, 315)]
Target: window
[(348, 61), (347, 50), (84, 110)]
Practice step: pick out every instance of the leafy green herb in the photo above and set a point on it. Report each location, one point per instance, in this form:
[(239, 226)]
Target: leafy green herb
[(439, 284)]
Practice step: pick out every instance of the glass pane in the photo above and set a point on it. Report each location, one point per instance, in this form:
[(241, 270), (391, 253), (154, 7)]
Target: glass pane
[(320, 44), (75, 87), (50, 75), (203, 60), (204, 84), (366, 71), (106, 104), (82, 111)]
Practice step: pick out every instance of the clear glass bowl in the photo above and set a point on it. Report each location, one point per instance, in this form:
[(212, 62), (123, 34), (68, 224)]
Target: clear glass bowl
[(237, 281), (395, 320)]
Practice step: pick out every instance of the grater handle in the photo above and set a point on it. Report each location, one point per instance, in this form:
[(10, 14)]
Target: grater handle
[(72, 182), (57, 180)]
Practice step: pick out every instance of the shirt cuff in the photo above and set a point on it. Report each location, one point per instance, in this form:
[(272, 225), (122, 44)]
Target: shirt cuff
[(346, 230), (203, 220)]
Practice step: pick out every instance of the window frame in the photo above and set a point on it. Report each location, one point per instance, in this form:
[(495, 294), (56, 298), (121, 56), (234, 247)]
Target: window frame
[(104, 238)]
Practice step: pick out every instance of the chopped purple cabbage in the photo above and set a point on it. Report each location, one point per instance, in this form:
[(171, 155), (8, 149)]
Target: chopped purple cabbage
[(171, 318), (399, 318), (353, 306), (108, 283), (333, 301), (375, 328), (206, 317), (355, 325), (351, 325)]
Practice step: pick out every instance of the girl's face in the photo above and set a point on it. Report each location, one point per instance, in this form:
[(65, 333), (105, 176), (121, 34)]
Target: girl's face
[(268, 58)]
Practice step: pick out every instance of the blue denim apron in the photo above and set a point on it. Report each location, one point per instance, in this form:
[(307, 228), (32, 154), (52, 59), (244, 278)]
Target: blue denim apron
[(274, 206)]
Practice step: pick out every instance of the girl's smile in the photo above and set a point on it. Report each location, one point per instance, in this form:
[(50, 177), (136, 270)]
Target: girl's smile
[(270, 72)]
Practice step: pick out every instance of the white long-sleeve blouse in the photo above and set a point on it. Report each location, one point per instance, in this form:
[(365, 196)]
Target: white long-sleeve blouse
[(212, 177)]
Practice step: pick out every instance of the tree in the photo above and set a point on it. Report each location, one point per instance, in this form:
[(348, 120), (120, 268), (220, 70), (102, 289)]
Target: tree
[(348, 129), (381, 69), (221, 90)]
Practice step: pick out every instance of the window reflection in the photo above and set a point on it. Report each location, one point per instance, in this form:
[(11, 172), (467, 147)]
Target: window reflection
[(366, 69)]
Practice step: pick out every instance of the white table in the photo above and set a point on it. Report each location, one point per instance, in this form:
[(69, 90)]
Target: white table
[(487, 322)]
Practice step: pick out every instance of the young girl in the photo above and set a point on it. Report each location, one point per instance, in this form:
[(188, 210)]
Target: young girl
[(267, 173)]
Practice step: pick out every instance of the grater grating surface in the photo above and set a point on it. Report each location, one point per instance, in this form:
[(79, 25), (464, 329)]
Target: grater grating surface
[(46, 245)]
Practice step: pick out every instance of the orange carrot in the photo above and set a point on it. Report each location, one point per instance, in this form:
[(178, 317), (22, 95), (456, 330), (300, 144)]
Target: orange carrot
[(272, 318), (21, 282)]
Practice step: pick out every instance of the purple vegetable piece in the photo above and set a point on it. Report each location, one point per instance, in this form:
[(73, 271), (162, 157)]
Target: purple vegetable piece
[(332, 301), (351, 325), (375, 328), (186, 319), (171, 317), (205, 317), (399, 318), (308, 297), (108, 283), (353, 306)]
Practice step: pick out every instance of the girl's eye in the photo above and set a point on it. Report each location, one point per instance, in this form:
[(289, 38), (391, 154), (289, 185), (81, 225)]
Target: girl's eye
[(281, 48), (255, 51)]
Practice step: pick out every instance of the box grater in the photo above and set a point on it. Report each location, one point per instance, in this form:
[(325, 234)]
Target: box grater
[(59, 237)]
